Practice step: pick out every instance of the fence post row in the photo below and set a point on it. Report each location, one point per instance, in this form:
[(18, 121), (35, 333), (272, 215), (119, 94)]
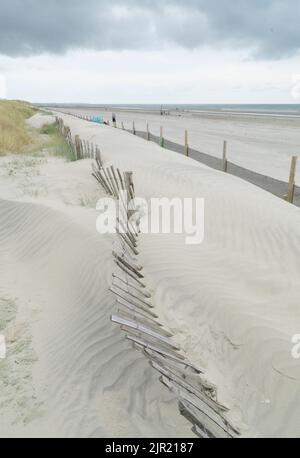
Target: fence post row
[(82, 149)]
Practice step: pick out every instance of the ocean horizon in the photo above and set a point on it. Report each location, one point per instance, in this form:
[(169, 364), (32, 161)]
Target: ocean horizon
[(287, 109)]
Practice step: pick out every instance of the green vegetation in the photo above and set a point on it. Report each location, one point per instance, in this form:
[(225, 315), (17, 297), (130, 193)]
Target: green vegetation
[(14, 135), (17, 137), (56, 143)]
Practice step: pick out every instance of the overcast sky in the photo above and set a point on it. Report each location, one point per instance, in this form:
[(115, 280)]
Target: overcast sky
[(150, 51)]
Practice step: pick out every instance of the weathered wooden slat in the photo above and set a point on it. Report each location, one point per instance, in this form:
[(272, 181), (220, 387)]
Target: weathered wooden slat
[(128, 266), (200, 432), (131, 275), (115, 178), (198, 428), (183, 382), (134, 296), (107, 180), (143, 292), (121, 295), (128, 243), (125, 230), (212, 422), (185, 365), (128, 253), (126, 247), (129, 306), (121, 179), (142, 320), (150, 346), (133, 263), (144, 330), (139, 335), (111, 180)]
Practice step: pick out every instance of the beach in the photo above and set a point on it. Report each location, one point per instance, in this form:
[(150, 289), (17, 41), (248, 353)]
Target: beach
[(261, 143), (232, 302)]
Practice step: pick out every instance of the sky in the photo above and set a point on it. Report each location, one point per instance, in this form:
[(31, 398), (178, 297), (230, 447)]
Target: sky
[(150, 51)]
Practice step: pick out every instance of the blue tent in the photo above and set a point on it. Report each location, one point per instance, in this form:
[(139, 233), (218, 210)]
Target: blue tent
[(99, 119)]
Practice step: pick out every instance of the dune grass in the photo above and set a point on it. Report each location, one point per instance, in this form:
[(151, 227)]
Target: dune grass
[(17, 137), (56, 143), (14, 135)]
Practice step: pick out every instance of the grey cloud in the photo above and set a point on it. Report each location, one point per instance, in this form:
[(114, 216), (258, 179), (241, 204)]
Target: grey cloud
[(269, 27)]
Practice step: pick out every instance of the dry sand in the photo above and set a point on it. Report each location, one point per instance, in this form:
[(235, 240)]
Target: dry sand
[(232, 302), (264, 144)]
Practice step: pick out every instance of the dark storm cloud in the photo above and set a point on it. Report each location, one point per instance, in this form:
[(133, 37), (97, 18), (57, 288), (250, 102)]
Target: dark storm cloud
[(269, 27)]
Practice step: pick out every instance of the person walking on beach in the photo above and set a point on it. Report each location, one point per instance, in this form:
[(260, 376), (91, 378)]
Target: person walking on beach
[(114, 119)]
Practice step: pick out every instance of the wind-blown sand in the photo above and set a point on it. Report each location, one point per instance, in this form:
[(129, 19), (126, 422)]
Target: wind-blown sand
[(264, 144), (232, 302)]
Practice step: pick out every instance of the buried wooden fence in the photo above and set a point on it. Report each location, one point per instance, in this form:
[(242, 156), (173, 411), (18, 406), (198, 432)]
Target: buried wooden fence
[(135, 313), (82, 149)]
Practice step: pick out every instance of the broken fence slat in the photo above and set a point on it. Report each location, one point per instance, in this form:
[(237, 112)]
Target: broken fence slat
[(131, 301), (220, 421), (143, 321), (129, 306), (217, 408), (136, 298), (216, 428), (178, 359), (145, 330), (156, 348), (144, 293)]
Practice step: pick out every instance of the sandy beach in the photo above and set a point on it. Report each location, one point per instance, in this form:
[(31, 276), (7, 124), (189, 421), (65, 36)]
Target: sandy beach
[(231, 302), (264, 144)]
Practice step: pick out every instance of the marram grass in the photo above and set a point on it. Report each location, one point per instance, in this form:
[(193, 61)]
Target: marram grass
[(14, 135)]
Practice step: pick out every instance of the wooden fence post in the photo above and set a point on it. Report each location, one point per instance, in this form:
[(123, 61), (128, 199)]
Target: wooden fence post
[(291, 187), (77, 147), (224, 164), (129, 187), (161, 137), (186, 143)]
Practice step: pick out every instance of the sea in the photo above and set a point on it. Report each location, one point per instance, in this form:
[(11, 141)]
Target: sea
[(290, 110)]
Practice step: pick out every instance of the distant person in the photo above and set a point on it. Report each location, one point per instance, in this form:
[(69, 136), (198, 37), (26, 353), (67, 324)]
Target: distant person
[(114, 119)]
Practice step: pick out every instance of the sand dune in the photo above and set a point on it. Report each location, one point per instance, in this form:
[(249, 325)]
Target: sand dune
[(232, 302), (87, 380)]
